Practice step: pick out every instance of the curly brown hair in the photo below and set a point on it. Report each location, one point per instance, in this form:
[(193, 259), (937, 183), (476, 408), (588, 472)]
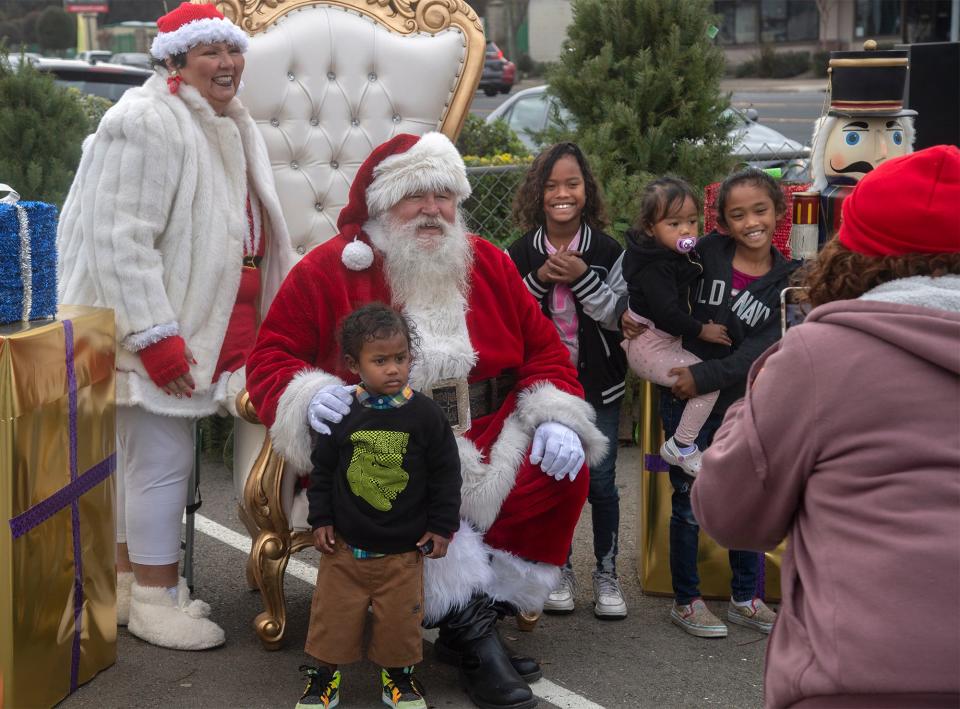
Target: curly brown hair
[(528, 200), (841, 274)]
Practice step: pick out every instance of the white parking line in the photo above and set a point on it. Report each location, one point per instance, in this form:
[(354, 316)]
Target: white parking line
[(543, 688)]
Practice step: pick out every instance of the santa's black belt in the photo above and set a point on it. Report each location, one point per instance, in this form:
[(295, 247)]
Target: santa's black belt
[(252, 261), (488, 395)]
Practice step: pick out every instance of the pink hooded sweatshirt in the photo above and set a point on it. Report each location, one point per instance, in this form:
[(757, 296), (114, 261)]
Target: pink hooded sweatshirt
[(848, 442)]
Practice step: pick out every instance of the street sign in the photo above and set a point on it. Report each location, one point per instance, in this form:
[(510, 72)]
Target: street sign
[(81, 6)]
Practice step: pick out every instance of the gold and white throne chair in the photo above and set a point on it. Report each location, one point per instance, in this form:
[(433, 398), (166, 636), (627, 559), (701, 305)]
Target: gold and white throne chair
[(327, 81)]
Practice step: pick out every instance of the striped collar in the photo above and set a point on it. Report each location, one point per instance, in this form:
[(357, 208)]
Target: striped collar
[(586, 239), (384, 401)]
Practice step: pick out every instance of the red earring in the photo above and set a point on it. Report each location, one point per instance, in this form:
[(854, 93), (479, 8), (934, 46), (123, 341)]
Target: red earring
[(174, 81)]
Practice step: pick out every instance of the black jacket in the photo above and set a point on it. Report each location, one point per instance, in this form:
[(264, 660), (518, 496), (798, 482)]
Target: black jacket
[(383, 477), (600, 295), (660, 283), (752, 318)]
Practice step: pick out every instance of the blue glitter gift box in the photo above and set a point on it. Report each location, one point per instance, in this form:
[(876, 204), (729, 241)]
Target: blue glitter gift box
[(28, 261)]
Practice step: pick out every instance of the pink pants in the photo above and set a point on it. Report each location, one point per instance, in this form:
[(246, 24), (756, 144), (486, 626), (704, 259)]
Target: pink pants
[(651, 356)]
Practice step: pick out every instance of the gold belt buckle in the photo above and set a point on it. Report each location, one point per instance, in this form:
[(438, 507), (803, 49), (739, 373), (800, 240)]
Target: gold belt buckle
[(453, 398)]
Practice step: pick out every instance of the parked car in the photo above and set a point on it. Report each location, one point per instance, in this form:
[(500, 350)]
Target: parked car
[(137, 59), (107, 80), (499, 73), (94, 56), (530, 111)]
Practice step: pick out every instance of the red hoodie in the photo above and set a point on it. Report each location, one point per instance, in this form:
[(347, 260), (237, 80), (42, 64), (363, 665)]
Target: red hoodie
[(848, 441)]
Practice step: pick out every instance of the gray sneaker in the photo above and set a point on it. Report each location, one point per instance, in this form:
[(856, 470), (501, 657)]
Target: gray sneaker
[(757, 615), (560, 600), (697, 619), (608, 596)]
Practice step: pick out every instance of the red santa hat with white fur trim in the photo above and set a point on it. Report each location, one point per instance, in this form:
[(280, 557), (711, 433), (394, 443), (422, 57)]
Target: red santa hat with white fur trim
[(192, 24), (403, 165)]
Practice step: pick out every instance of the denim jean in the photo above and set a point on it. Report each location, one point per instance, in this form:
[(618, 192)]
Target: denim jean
[(604, 497), (684, 529)]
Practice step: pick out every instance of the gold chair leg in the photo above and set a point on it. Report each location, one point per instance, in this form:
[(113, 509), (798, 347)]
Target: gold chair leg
[(526, 622)]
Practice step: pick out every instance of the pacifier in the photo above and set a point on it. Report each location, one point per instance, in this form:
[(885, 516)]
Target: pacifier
[(686, 244)]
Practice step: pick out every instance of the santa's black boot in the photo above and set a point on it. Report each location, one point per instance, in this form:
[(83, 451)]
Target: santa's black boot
[(485, 669)]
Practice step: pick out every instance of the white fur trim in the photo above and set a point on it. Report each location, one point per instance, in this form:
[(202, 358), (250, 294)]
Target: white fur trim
[(486, 485), (940, 293), (179, 625), (544, 402), (291, 431), (445, 350), (124, 582), (525, 584), (432, 163), (137, 341), (357, 255), (204, 31), (449, 583)]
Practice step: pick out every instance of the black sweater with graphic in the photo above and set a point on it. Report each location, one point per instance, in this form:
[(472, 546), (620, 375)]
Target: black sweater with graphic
[(660, 283), (752, 318), (384, 477)]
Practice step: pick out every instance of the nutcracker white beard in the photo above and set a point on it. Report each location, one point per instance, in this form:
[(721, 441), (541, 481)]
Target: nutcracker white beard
[(429, 279)]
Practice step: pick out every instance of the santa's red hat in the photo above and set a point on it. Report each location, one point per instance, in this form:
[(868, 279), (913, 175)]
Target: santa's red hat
[(907, 205), (193, 24), (401, 166)]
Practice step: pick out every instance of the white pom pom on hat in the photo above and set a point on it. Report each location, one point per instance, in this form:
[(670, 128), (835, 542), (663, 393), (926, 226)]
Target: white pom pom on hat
[(357, 255)]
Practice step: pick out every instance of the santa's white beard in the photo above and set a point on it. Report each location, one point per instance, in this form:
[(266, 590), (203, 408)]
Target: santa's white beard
[(429, 280)]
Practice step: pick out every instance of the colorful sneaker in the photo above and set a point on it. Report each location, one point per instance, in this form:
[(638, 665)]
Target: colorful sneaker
[(323, 688), (757, 615), (697, 619), (608, 596), (560, 600), (690, 462), (401, 689)]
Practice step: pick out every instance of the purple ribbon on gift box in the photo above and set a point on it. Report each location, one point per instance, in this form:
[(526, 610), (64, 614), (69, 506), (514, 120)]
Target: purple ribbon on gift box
[(69, 495)]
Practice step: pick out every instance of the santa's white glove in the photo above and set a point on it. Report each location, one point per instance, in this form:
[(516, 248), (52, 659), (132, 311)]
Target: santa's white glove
[(329, 405), (557, 449)]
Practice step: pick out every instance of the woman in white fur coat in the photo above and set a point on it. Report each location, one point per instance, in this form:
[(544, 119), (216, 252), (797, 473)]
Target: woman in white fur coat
[(174, 222)]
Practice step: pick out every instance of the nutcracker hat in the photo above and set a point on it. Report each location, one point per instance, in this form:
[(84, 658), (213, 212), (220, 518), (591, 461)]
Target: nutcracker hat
[(907, 205), (192, 24), (869, 82), (403, 165)]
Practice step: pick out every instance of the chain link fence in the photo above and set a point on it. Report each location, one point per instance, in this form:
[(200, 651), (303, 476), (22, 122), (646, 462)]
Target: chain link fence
[(488, 210)]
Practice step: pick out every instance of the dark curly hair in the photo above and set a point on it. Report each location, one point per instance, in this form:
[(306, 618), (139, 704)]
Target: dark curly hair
[(756, 178), (841, 274), (528, 201), (661, 198), (374, 321)]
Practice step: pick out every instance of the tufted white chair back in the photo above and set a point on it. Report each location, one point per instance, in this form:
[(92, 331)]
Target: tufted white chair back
[(329, 80)]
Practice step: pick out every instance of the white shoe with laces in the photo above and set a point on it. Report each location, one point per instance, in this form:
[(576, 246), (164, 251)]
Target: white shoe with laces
[(608, 597), (690, 462), (560, 600)]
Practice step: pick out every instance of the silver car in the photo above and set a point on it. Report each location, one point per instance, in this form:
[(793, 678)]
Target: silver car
[(531, 111)]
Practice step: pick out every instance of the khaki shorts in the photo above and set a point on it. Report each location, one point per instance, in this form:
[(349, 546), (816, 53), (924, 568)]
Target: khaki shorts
[(391, 585)]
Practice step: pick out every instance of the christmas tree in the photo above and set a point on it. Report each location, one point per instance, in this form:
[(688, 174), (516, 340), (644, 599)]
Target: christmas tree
[(42, 127), (642, 80)]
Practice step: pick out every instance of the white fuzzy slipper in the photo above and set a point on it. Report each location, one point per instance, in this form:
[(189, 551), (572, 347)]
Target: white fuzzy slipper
[(124, 581), (178, 625)]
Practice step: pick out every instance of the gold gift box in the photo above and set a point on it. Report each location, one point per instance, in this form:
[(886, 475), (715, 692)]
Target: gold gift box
[(38, 583), (713, 563)]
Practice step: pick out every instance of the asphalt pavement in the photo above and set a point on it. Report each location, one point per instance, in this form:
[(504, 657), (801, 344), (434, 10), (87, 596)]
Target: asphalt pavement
[(642, 661)]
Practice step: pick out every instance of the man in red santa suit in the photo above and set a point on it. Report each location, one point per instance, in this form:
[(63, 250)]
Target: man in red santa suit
[(484, 344)]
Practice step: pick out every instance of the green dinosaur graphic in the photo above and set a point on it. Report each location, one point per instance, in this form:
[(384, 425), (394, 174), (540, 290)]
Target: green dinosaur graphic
[(375, 473)]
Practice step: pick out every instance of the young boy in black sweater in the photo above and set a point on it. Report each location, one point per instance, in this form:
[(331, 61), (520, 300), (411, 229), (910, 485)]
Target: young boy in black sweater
[(384, 492)]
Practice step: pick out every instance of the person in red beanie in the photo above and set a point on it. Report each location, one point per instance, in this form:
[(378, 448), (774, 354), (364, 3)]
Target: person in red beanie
[(487, 354), (848, 443), (173, 221)]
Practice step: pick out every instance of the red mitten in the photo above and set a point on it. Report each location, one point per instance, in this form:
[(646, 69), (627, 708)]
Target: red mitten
[(165, 360)]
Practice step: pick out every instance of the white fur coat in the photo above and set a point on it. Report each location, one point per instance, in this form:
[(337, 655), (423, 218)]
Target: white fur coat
[(154, 225)]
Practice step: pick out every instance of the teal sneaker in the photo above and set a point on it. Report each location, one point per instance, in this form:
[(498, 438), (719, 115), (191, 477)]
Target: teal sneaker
[(323, 688), (401, 689)]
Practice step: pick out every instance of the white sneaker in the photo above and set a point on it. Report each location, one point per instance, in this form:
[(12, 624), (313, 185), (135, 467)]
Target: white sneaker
[(124, 581), (690, 462), (178, 625), (560, 600), (608, 597)]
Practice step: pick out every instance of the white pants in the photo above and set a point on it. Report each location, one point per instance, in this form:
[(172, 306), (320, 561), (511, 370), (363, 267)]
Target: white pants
[(155, 457)]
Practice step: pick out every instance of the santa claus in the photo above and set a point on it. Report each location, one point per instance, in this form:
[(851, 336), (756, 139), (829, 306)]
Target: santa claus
[(487, 355)]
